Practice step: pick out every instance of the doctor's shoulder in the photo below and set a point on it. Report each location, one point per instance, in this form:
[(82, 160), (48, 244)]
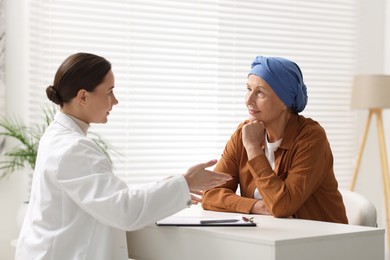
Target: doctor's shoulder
[(82, 157)]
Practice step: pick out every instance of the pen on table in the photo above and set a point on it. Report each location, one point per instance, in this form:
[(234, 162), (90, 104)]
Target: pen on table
[(217, 221)]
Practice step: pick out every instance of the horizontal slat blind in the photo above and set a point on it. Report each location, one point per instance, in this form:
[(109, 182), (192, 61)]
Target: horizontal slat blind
[(181, 70)]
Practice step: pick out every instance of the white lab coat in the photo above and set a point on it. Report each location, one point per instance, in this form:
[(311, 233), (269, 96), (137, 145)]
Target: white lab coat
[(79, 209)]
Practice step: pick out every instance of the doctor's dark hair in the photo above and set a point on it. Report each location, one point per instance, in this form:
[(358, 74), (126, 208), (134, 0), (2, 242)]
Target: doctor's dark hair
[(78, 71)]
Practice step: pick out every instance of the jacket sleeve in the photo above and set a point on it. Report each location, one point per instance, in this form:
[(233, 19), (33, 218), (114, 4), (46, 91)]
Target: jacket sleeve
[(224, 198), (311, 162), (85, 175)]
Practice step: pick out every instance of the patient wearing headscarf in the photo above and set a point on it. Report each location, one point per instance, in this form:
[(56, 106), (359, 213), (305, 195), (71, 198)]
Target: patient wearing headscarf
[(281, 161)]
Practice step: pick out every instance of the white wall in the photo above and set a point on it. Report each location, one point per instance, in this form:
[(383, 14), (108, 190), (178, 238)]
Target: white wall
[(374, 57), (2, 57), (13, 189)]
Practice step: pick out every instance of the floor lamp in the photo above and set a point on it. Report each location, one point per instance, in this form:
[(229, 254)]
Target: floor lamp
[(372, 92)]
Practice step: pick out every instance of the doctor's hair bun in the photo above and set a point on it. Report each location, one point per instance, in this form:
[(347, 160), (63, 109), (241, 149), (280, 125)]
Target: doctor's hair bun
[(52, 95), (78, 71)]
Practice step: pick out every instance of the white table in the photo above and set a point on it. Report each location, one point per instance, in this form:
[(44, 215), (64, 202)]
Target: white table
[(272, 239)]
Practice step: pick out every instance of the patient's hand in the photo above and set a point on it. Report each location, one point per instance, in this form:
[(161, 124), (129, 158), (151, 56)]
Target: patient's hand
[(260, 208)]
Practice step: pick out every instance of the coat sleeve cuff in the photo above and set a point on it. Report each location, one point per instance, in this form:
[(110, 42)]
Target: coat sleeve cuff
[(185, 189)]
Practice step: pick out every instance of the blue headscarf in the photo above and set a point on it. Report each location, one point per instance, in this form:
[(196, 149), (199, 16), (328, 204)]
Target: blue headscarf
[(284, 77)]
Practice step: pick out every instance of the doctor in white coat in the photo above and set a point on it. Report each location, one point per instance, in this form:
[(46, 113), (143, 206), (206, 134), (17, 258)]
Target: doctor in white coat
[(79, 209)]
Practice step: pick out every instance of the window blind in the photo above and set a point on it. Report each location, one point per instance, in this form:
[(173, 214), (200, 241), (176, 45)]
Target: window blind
[(181, 69)]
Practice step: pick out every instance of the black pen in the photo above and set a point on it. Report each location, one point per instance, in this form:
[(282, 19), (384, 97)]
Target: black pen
[(217, 221)]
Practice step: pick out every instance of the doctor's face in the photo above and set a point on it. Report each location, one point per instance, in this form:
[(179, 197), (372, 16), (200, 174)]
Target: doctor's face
[(101, 100)]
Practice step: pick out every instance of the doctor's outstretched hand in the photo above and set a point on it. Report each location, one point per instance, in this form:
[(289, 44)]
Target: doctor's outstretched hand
[(199, 179)]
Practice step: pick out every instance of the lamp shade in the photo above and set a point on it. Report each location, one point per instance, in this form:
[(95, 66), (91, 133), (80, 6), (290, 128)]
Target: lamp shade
[(371, 91)]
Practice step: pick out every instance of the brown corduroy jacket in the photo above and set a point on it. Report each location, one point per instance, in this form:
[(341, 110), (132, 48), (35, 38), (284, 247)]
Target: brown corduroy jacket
[(303, 184)]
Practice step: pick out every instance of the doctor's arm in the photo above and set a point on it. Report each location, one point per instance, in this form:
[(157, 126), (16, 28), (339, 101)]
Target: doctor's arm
[(199, 179), (90, 183)]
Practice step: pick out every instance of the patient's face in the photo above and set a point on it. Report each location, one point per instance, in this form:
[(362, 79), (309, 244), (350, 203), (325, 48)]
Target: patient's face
[(262, 102)]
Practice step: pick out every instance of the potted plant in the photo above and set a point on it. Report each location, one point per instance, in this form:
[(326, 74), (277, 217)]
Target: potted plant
[(22, 156)]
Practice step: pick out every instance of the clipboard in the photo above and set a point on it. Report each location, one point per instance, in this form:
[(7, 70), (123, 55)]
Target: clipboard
[(190, 221)]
